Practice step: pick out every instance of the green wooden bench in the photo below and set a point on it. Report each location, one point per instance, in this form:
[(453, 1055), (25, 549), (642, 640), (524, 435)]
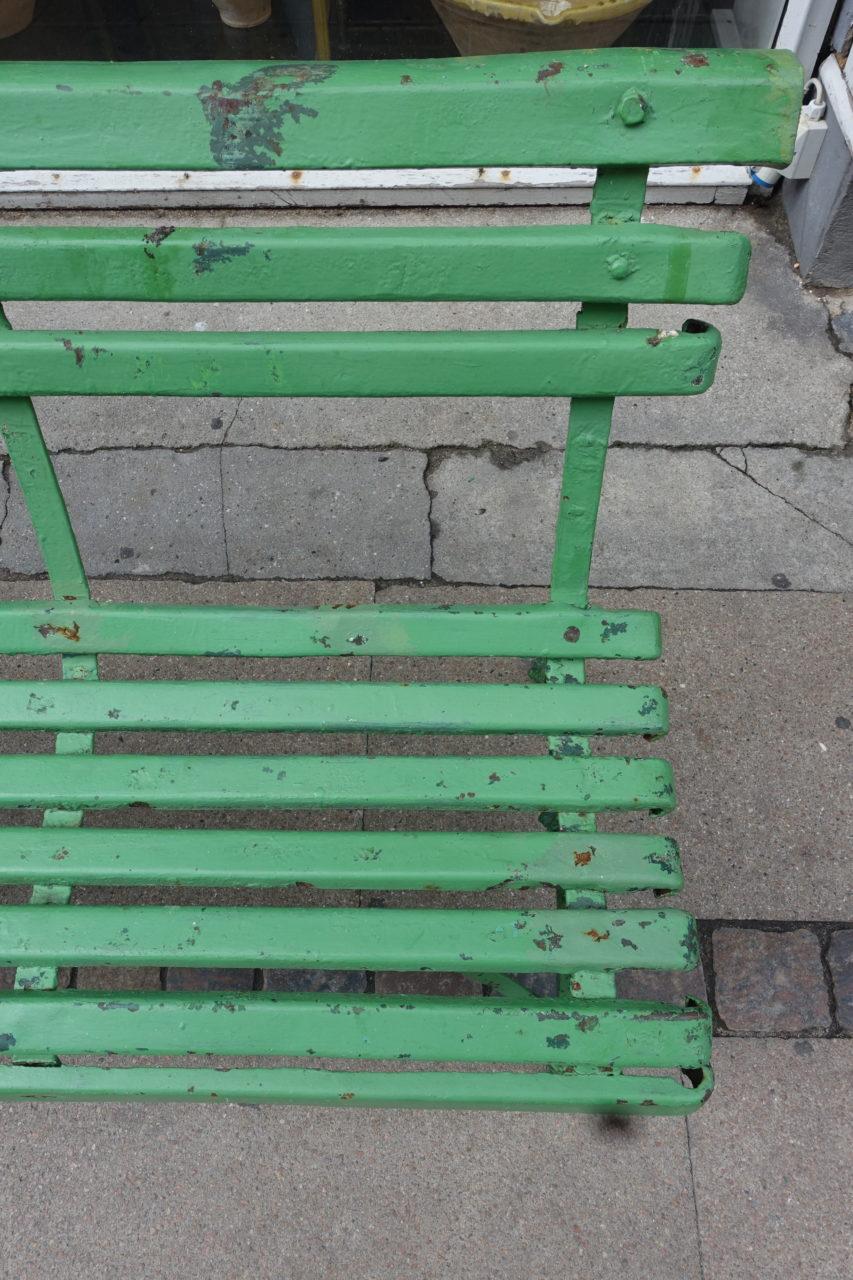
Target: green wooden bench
[(583, 1048)]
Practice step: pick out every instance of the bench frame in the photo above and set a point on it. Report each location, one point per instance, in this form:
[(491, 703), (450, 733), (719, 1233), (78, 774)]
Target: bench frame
[(582, 1049)]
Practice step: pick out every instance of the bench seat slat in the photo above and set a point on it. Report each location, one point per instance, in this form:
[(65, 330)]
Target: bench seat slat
[(488, 1090), (467, 783), (429, 631), (582, 1032), (269, 264), (714, 106), (457, 861), (409, 940), (545, 362), (332, 706)]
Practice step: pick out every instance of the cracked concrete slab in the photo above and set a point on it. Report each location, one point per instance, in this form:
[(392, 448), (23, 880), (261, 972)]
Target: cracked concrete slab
[(818, 485), (146, 511), (670, 518), (778, 359), (326, 514)]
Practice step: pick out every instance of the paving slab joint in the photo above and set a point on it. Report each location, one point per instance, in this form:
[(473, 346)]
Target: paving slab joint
[(223, 443)]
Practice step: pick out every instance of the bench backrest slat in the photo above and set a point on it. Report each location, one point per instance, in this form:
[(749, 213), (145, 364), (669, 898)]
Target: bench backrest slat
[(582, 107), (362, 264)]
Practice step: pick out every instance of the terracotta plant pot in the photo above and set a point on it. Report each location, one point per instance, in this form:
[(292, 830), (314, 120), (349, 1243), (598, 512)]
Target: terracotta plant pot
[(15, 15), (243, 13), (525, 26)]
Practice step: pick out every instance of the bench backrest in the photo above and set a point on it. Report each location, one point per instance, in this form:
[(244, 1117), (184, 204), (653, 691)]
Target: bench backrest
[(619, 110)]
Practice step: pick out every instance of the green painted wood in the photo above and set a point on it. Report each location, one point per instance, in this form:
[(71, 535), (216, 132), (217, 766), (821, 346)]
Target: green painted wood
[(547, 362), (21, 433), (310, 782), (617, 107), (332, 706), (426, 860), (409, 940), (268, 264), (456, 1090), (529, 630), (582, 1032)]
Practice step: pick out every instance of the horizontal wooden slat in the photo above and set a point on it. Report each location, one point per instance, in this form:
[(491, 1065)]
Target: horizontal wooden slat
[(599, 264), (309, 782), (518, 630), (459, 861), (348, 938), (545, 362), (332, 706), (713, 106), (582, 1032), (491, 1090)]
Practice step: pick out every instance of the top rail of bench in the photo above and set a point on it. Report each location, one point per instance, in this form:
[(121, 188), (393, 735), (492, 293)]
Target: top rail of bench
[(580, 107)]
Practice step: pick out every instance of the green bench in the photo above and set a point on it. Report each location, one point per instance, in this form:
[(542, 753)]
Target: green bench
[(577, 1046)]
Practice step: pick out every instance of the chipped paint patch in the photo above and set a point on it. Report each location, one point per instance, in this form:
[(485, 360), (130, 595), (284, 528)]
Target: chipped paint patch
[(209, 255), (246, 117)]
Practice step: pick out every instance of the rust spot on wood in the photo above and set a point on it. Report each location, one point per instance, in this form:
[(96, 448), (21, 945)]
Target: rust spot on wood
[(405, 79), (155, 238), (71, 633), (695, 60), (547, 72), (79, 353), (584, 858), (596, 936)]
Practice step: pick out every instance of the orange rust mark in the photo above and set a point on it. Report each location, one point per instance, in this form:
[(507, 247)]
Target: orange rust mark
[(296, 175), (596, 936), (545, 73), (506, 174), (71, 633), (695, 60), (583, 859)]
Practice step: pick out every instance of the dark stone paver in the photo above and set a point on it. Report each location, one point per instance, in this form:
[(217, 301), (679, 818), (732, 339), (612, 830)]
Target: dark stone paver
[(672, 988), (426, 984), (769, 982), (841, 967), (181, 979), (343, 980)]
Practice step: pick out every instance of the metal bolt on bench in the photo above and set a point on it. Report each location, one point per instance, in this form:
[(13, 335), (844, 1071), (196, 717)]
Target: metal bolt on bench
[(583, 1048)]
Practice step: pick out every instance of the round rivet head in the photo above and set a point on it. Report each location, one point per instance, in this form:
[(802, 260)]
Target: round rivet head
[(620, 266), (632, 108)]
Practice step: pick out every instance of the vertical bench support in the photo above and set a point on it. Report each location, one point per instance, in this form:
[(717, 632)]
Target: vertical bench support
[(618, 198)]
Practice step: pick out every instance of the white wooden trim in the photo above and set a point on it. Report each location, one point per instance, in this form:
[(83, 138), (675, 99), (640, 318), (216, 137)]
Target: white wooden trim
[(43, 188)]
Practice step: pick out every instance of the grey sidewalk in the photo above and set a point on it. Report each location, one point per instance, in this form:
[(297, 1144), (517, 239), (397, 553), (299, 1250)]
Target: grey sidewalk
[(731, 515)]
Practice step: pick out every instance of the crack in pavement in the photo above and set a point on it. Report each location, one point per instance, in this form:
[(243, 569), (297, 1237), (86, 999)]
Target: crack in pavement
[(744, 471), (5, 485), (221, 450)]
